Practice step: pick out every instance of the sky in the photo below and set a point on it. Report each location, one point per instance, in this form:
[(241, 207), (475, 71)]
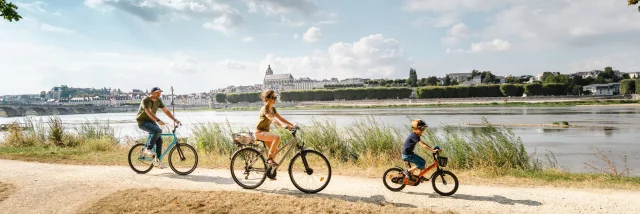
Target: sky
[(200, 45)]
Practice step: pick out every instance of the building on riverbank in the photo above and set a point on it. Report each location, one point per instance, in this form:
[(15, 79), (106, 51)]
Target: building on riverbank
[(286, 81), (603, 89)]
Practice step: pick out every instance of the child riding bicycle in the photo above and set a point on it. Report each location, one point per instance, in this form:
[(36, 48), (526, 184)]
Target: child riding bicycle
[(418, 127)]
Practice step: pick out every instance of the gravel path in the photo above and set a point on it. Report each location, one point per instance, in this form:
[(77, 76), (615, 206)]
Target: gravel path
[(53, 188)]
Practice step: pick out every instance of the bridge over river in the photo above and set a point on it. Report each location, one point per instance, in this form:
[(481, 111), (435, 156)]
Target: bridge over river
[(11, 110)]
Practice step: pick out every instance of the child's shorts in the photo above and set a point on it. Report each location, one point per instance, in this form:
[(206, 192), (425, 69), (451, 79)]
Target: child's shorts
[(413, 158)]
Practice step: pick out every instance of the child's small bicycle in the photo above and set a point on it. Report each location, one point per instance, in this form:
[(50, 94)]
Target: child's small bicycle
[(394, 176), (183, 158)]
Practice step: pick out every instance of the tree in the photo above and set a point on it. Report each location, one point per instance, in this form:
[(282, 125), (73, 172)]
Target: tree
[(8, 11), (555, 77), (432, 81), (454, 82), (633, 2), (626, 76), (413, 78), (488, 77), (576, 90), (447, 80), (43, 94)]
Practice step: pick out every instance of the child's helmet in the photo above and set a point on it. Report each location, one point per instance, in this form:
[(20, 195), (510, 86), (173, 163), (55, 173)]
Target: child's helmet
[(418, 124)]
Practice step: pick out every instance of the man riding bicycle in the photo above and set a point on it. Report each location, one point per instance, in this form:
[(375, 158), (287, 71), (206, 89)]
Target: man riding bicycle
[(149, 122)]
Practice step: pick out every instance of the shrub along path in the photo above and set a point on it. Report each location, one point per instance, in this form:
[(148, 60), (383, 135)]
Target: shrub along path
[(43, 188)]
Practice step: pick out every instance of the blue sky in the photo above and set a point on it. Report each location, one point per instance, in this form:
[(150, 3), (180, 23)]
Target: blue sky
[(199, 45)]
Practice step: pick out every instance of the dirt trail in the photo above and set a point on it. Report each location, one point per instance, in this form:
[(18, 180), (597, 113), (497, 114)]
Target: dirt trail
[(53, 188)]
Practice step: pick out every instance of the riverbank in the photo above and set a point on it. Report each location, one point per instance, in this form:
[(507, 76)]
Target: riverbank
[(208, 160)]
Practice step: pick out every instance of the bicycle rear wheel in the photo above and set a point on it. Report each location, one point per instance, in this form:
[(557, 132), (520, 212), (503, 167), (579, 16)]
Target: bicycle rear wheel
[(310, 171), (392, 179), (248, 168), (183, 159), (138, 160)]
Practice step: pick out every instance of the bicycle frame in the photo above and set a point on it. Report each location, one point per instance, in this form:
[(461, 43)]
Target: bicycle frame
[(434, 165), (171, 145), (291, 144)]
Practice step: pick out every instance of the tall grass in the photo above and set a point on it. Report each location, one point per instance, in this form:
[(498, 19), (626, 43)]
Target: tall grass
[(214, 137), (96, 135)]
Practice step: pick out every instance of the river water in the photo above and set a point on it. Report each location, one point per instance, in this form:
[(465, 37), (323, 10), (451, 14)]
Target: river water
[(571, 146)]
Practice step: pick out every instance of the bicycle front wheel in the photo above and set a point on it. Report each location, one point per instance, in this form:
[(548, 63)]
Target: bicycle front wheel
[(445, 183), (248, 168), (183, 159), (138, 160), (310, 171)]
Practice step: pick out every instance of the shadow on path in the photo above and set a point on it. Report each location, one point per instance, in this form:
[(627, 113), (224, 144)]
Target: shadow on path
[(199, 178), (375, 199), (495, 198)]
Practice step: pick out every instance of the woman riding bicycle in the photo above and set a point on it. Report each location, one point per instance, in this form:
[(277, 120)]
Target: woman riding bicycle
[(268, 114)]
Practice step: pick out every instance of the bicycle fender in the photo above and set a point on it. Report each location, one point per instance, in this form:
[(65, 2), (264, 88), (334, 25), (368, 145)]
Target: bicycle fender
[(234, 153)]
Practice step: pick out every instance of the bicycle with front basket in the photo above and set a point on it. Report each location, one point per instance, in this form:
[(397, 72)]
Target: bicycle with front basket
[(186, 157), (399, 180), (309, 170)]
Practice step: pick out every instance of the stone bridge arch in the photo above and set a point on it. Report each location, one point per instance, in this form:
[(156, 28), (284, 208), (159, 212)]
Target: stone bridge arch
[(63, 111), (39, 110), (11, 112), (81, 110)]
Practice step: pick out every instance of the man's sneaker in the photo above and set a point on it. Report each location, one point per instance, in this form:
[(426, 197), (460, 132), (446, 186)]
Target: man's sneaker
[(150, 152), (158, 163)]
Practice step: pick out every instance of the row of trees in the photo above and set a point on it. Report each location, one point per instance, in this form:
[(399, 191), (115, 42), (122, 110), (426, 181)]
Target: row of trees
[(346, 94), (501, 90), (322, 95), (629, 86)]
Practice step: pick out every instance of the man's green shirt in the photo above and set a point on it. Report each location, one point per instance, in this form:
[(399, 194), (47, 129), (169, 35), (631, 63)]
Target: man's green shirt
[(147, 103)]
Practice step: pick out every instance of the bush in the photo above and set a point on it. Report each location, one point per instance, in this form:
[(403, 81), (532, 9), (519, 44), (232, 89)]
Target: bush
[(533, 89), (637, 83), (221, 97), (627, 87), (556, 89), (250, 97), (509, 90)]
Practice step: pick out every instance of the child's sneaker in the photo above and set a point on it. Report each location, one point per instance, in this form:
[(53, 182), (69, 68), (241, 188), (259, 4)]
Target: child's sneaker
[(406, 173)]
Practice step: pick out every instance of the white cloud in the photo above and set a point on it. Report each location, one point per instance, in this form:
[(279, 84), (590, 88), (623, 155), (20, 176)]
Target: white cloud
[(312, 35), (455, 34), (496, 45), (247, 39), (234, 64), (286, 21), (452, 5), (50, 28), (442, 20), (459, 30), (36, 6), (295, 36), (217, 16), (544, 24), (275, 7), (44, 66), (372, 56)]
